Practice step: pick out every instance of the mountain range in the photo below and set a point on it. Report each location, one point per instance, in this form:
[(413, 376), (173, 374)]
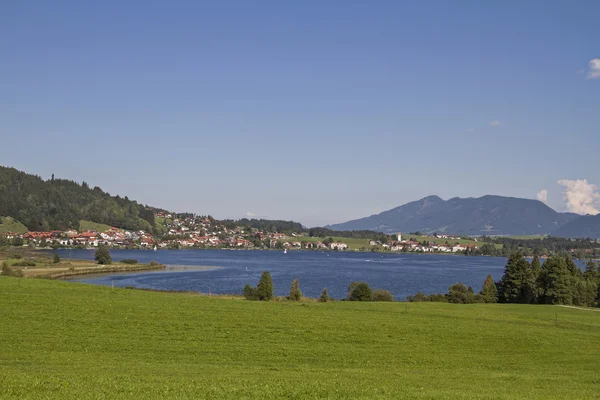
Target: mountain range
[(487, 215)]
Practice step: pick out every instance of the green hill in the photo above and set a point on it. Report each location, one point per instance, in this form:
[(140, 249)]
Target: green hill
[(74, 341), (60, 204), (9, 224), (89, 225)]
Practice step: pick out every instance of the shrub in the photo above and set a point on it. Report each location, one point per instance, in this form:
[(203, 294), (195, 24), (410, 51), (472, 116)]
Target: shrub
[(56, 259), (250, 293), (324, 296), (264, 289), (24, 263), (382, 295), (418, 297), (438, 297), (153, 263), (361, 292), (460, 294), (102, 255), (295, 293), (8, 271), (129, 261)]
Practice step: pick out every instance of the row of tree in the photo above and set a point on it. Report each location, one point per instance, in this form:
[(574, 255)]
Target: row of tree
[(357, 291), (557, 281), (582, 248)]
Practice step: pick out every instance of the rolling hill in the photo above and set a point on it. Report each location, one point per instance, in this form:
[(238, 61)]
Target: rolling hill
[(42, 205), (487, 215)]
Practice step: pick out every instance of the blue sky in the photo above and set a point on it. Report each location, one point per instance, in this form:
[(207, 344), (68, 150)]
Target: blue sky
[(316, 111)]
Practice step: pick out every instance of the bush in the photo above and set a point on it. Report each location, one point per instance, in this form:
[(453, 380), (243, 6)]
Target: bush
[(8, 271), (56, 259), (102, 255), (382, 295), (250, 293), (24, 263), (460, 294), (295, 293), (130, 261), (324, 296), (417, 297), (361, 292), (264, 290), (153, 263)]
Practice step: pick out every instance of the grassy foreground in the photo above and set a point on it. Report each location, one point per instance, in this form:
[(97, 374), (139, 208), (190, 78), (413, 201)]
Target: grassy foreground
[(63, 340)]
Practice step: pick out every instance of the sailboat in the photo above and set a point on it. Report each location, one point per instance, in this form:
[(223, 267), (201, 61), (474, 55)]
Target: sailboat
[(285, 251), (155, 248)]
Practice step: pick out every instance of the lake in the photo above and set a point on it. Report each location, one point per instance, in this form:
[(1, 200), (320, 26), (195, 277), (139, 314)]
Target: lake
[(401, 274)]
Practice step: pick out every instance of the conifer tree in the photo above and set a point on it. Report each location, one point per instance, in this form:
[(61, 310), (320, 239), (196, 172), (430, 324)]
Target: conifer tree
[(264, 290), (517, 284), (295, 293), (489, 292), (324, 296), (555, 281)]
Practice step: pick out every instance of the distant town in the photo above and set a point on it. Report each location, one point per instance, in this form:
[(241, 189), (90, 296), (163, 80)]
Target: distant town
[(206, 232)]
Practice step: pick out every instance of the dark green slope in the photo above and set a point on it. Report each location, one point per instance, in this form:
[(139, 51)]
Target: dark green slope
[(60, 204)]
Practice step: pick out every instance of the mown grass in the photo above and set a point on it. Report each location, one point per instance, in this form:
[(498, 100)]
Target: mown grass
[(62, 340), (89, 225), (9, 224)]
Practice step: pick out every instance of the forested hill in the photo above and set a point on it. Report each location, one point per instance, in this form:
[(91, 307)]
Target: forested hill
[(60, 204)]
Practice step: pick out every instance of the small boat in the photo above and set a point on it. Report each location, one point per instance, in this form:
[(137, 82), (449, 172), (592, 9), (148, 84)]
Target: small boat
[(285, 251), (155, 248)]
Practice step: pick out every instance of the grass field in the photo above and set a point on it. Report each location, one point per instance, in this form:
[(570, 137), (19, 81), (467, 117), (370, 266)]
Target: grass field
[(64, 340), (8, 224), (89, 225)]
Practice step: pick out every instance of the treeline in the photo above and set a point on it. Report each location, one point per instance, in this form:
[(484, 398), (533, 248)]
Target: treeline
[(364, 234), (557, 281), (582, 248), (357, 291), (60, 204), (265, 225)]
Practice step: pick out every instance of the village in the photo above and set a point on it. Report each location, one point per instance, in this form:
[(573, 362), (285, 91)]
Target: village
[(190, 231)]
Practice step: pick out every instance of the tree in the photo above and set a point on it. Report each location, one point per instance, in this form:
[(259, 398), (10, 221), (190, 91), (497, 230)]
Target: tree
[(324, 296), (489, 292), (56, 259), (459, 294), (517, 285), (555, 282), (264, 290), (361, 292), (351, 288), (102, 255), (249, 292), (382, 295), (591, 272), (295, 293)]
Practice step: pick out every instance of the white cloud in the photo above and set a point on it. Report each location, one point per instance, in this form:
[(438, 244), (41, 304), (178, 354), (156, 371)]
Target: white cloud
[(494, 123), (594, 71), (542, 195), (250, 214), (581, 197)]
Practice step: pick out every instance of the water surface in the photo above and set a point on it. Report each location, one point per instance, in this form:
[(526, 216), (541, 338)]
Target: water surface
[(401, 274)]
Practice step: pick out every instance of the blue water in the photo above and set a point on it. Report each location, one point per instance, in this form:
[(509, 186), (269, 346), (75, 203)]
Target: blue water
[(401, 274)]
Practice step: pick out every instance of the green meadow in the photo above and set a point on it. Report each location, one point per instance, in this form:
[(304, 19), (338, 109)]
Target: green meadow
[(62, 340), (95, 226), (9, 224)]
